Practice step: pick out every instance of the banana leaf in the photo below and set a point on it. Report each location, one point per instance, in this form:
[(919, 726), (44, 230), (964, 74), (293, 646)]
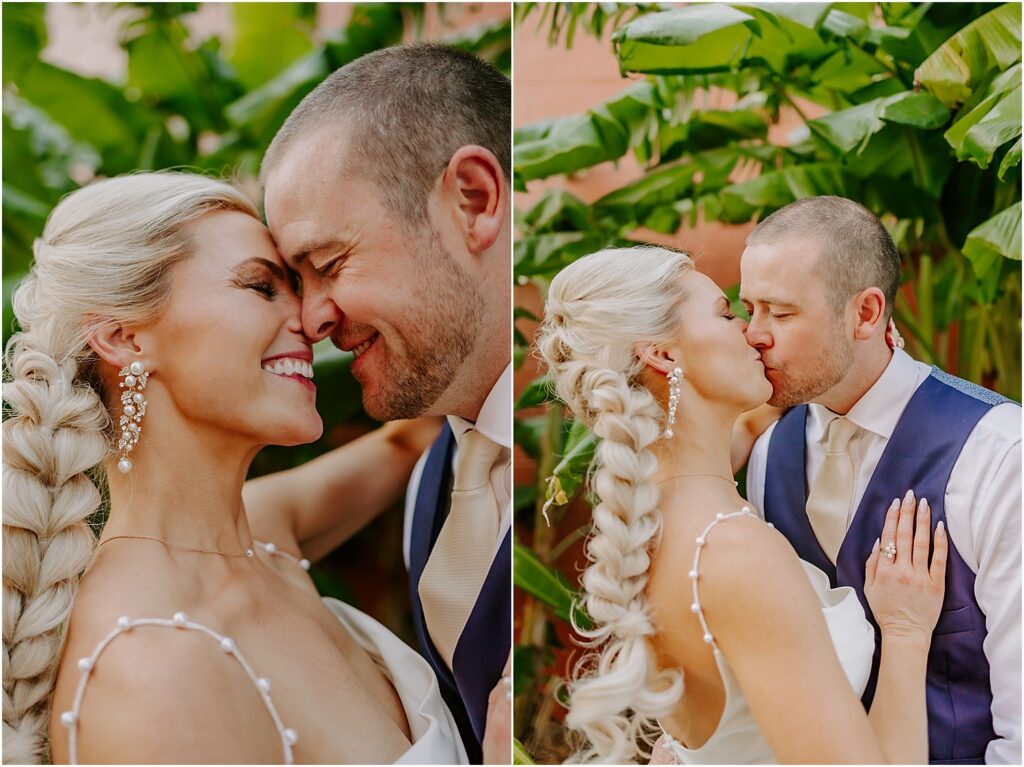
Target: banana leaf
[(546, 584), (990, 244), (992, 41), (712, 37)]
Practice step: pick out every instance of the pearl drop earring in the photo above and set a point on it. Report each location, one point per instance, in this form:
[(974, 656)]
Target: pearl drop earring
[(673, 399), (133, 407)]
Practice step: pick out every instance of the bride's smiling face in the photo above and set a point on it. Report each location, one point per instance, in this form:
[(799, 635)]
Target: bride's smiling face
[(716, 360), (229, 350)]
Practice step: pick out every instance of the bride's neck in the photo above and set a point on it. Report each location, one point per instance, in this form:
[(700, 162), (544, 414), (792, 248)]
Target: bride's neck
[(701, 441), (185, 487)]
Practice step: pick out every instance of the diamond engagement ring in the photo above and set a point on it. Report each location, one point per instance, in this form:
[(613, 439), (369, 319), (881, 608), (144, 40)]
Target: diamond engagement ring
[(890, 551)]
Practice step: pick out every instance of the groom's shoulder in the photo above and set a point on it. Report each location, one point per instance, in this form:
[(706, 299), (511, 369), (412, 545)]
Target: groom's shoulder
[(999, 428), (972, 390), (1003, 419)]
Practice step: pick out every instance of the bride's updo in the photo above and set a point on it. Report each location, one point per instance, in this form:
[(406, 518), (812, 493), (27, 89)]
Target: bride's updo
[(105, 256), (597, 309)]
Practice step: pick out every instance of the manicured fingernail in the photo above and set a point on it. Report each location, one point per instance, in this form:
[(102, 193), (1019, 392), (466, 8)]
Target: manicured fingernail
[(940, 529), (909, 496), (895, 503), (878, 542), (923, 506)]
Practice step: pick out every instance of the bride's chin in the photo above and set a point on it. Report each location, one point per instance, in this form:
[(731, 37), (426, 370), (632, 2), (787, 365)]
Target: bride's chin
[(297, 434)]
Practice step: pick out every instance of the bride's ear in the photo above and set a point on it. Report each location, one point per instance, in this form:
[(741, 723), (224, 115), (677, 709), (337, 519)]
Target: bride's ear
[(655, 357), (117, 345)]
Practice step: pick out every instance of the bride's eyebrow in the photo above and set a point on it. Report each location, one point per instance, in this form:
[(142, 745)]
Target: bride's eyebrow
[(275, 269)]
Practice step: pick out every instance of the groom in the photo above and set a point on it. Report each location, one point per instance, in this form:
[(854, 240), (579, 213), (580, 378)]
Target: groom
[(387, 192), (819, 278)]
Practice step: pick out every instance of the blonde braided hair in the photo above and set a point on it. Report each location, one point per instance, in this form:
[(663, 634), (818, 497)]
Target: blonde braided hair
[(596, 310), (105, 256)]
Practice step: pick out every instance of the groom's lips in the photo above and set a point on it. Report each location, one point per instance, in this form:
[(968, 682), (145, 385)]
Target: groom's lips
[(361, 348)]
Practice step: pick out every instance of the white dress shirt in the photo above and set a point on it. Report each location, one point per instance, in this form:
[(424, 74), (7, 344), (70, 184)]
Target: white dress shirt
[(983, 517), (495, 423)]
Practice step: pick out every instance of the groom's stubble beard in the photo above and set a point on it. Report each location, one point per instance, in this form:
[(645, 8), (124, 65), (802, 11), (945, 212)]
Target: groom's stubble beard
[(445, 316), (810, 377)]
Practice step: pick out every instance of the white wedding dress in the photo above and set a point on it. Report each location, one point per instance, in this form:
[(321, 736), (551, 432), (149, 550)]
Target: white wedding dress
[(435, 735), (738, 739)]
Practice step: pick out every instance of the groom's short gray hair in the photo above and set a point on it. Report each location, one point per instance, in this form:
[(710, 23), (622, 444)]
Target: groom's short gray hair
[(857, 251), (409, 108)]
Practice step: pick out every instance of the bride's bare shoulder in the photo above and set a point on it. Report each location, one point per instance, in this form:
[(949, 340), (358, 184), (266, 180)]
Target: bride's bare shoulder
[(154, 693), (149, 685), (137, 583), (739, 554)]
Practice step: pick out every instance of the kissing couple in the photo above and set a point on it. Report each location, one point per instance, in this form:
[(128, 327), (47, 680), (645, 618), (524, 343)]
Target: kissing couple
[(166, 337), (863, 603)]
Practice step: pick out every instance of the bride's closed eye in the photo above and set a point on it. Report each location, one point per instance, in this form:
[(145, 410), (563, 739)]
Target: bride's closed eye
[(265, 288)]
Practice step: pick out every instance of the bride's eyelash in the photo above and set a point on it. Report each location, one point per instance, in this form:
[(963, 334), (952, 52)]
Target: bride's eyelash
[(263, 287)]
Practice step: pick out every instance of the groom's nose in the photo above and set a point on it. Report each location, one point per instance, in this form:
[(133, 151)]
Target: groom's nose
[(757, 335), (320, 315)]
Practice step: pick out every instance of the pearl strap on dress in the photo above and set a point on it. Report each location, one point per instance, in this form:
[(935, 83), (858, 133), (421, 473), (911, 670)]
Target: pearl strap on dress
[(271, 548), (695, 571), (180, 621)]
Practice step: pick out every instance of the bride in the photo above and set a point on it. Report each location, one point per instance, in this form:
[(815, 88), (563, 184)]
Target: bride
[(709, 632), (161, 348)]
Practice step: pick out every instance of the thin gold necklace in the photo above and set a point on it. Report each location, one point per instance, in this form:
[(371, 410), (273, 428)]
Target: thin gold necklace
[(716, 476), (249, 553)]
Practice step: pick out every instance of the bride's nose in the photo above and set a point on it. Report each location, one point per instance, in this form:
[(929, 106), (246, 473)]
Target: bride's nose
[(293, 322)]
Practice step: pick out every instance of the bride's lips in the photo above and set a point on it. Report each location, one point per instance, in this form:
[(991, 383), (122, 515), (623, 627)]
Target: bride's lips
[(297, 365)]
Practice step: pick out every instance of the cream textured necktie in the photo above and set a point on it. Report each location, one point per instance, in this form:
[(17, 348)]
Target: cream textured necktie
[(464, 550), (828, 504)]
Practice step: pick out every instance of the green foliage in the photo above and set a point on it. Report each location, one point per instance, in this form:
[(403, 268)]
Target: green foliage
[(519, 754), (922, 126)]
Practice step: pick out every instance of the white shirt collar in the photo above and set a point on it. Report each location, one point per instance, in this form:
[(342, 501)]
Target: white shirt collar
[(494, 420), (879, 409)]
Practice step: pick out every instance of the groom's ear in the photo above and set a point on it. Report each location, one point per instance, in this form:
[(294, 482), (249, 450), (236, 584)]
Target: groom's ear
[(869, 313), (474, 184), (656, 358)]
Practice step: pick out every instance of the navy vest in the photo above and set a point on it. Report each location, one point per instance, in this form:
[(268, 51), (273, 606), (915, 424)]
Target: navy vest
[(920, 455), (484, 645)]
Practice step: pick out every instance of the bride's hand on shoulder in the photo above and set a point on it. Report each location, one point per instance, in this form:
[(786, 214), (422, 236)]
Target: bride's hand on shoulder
[(497, 743), (904, 590)]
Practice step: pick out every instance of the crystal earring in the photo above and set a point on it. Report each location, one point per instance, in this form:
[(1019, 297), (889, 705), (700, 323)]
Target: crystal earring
[(673, 399), (133, 407)]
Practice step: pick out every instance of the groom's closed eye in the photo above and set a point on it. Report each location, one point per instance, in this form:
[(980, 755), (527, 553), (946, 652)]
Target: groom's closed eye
[(332, 266)]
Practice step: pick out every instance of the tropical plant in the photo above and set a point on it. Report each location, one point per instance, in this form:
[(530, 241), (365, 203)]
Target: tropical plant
[(201, 104), (920, 121)]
